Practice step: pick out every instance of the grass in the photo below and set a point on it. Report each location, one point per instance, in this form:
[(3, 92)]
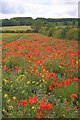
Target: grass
[(9, 37)]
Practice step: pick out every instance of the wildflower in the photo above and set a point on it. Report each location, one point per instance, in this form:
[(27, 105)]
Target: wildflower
[(49, 106), (33, 107), (3, 110), (50, 87), (55, 75), (57, 79), (28, 68), (25, 103), (14, 98), (33, 82), (19, 103), (4, 67), (76, 84), (28, 82), (16, 67), (73, 96), (23, 91), (40, 115), (5, 95), (9, 70), (10, 107), (37, 83), (32, 100), (68, 108), (42, 105), (60, 66), (39, 62), (71, 75), (5, 82), (8, 100)]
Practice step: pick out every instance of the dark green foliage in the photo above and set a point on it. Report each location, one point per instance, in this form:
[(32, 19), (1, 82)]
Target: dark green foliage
[(30, 21), (61, 32), (16, 31), (37, 24), (51, 31), (72, 34)]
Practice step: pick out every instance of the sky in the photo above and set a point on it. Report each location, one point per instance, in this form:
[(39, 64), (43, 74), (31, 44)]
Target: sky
[(39, 8)]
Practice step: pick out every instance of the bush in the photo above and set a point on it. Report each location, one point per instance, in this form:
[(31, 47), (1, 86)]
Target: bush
[(28, 31), (15, 31), (34, 31), (51, 31), (72, 34), (43, 30), (60, 32)]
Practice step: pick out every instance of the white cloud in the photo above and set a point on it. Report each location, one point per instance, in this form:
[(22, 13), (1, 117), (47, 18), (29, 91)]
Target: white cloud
[(39, 8)]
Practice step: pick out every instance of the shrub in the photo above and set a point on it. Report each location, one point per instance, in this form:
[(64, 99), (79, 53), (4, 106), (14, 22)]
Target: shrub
[(72, 34), (60, 32), (51, 31)]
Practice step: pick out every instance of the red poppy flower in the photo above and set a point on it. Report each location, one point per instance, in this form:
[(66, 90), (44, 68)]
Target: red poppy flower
[(68, 108), (50, 87), (16, 67), (40, 115), (42, 104), (76, 84), (71, 75), (73, 96), (19, 103), (49, 106), (33, 100), (9, 70), (4, 67), (28, 68), (25, 103), (55, 75), (57, 79)]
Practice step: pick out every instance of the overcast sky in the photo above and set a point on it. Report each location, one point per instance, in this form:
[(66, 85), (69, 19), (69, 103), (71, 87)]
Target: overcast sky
[(39, 8)]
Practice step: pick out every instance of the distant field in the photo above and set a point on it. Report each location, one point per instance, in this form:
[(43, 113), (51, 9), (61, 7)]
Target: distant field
[(15, 28)]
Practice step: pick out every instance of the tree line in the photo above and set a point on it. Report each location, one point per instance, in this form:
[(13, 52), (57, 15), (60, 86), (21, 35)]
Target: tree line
[(29, 21)]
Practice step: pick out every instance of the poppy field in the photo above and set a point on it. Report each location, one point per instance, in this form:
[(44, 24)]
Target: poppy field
[(39, 76)]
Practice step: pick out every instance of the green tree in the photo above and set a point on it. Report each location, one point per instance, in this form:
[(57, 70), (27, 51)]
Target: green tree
[(37, 24), (5, 22), (13, 22)]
